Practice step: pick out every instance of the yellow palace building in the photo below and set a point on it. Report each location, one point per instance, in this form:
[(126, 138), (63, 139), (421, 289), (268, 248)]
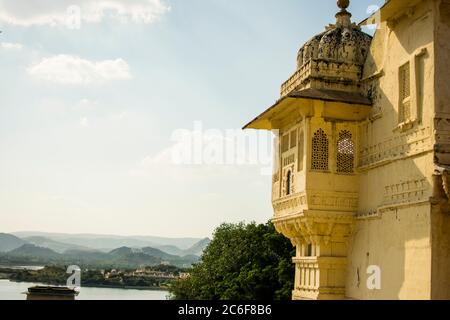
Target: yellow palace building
[(361, 184)]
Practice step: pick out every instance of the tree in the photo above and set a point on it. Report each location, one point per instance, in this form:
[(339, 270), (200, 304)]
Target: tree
[(242, 262)]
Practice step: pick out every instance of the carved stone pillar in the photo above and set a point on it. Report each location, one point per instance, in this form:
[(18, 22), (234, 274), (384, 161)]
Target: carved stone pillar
[(321, 240), (320, 277)]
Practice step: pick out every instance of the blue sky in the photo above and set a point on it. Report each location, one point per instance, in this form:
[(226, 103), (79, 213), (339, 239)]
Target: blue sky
[(85, 112)]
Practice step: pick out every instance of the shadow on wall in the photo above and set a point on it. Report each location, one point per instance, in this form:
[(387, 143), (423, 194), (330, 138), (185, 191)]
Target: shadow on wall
[(441, 219)]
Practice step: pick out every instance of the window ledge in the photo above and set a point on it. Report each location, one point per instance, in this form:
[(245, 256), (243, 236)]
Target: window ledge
[(405, 126), (376, 116), (346, 174), (320, 171)]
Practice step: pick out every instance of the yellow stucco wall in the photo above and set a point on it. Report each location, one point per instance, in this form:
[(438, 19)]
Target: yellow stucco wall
[(399, 244), (393, 230)]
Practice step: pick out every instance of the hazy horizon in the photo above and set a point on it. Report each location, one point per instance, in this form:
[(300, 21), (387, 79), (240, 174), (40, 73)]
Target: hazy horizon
[(100, 234)]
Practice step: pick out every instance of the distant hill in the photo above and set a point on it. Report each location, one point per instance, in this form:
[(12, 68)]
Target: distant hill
[(88, 257), (171, 250), (34, 252), (137, 259), (10, 242), (182, 243), (133, 253), (105, 243), (198, 248), (158, 253), (99, 242), (95, 250), (120, 257), (191, 258), (122, 251), (57, 246)]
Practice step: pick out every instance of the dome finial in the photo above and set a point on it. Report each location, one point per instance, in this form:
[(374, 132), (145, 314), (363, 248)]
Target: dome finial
[(343, 16), (343, 4)]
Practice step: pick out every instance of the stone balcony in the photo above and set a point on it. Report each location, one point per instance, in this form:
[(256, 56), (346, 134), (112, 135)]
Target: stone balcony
[(315, 201), (320, 225), (296, 79), (321, 73)]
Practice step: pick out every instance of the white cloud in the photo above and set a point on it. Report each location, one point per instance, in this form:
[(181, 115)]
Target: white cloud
[(73, 70), (84, 122), (86, 104), (65, 12), (11, 46)]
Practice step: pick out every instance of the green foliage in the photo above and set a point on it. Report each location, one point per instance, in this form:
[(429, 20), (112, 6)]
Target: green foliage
[(56, 275), (50, 275), (243, 262)]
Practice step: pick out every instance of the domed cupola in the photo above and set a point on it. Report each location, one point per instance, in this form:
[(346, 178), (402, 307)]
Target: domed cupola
[(344, 41), (334, 58), (310, 50)]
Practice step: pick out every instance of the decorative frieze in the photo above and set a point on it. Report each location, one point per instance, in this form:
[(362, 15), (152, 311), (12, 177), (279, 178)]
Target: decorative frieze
[(288, 160), (398, 147), (405, 192), (334, 201), (372, 214), (402, 194), (316, 200), (290, 205)]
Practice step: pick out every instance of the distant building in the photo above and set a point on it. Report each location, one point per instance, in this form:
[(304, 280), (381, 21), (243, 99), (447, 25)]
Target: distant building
[(184, 275), (362, 176), (111, 274), (148, 273)]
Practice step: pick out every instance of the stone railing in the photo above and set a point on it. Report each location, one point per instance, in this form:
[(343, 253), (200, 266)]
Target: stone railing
[(320, 278), (292, 204), (296, 79), (308, 274), (323, 71)]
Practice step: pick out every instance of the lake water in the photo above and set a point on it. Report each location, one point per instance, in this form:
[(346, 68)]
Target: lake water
[(34, 268), (14, 291)]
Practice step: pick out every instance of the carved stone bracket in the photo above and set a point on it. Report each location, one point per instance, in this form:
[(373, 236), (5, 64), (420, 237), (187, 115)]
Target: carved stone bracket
[(316, 227)]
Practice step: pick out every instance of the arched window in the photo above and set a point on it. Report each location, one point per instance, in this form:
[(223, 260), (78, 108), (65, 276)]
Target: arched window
[(288, 182), (345, 153), (301, 150), (320, 148)]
